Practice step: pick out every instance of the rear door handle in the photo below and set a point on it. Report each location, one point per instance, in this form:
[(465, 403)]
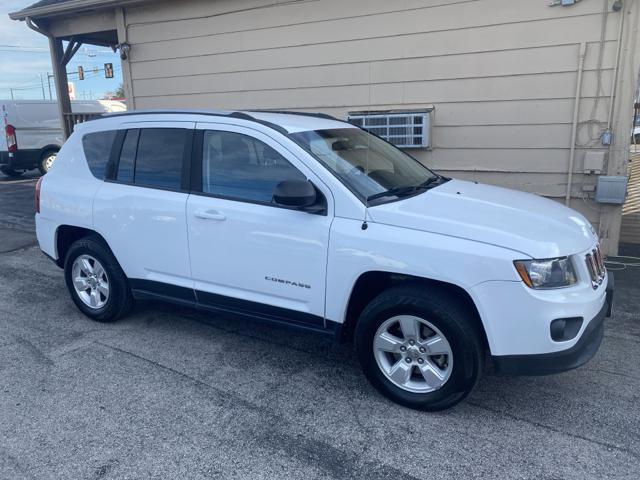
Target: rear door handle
[(210, 215)]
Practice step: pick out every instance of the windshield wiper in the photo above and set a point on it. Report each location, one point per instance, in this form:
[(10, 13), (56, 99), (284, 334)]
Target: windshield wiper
[(431, 181), (409, 190)]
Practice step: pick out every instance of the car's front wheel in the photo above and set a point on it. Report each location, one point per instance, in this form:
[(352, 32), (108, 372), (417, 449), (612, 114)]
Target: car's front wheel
[(420, 347), (97, 284)]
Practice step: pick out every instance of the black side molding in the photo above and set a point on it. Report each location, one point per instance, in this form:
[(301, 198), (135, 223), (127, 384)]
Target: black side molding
[(151, 290)]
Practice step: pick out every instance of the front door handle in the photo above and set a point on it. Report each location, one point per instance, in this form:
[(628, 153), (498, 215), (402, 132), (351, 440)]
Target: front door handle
[(210, 215)]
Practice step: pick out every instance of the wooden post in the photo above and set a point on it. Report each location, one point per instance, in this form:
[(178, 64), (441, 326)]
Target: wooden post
[(62, 85), (127, 80)]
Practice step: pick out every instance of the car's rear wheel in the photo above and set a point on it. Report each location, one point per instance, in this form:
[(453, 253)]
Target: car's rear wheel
[(46, 161), (420, 347), (10, 172), (97, 284)]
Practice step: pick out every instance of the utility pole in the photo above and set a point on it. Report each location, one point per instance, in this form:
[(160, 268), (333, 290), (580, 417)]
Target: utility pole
[(49, 82), (42, 85)]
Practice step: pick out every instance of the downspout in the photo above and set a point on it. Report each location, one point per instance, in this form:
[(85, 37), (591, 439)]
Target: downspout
[(614, 85), (574, 125), (36, 28)]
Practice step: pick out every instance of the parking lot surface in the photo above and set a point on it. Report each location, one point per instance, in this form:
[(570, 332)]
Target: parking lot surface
[(172, 393)]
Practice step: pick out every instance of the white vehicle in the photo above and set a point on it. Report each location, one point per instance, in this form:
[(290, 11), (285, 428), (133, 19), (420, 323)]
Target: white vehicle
[(308, 221), (32, 134)]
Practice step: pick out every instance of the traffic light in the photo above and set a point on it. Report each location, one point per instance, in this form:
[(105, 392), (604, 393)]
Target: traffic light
[(80, 73), (108, 70)]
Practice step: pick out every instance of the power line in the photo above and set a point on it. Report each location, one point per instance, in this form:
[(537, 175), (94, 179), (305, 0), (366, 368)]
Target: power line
[(45, 48), (25, 88), (14, 50), (27, 50), (22, 46), (91, 74)]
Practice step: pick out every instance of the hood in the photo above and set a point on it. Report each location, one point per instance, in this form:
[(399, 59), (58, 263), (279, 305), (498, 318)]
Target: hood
[(519, 221)]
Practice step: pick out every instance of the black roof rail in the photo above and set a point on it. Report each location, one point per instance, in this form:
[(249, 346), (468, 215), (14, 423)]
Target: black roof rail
[(166, 112), (246, 116), (326, 116), (227, 114)]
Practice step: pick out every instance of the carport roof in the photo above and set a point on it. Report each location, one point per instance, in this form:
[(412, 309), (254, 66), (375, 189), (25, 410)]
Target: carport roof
[(50, 8), (43, 3)]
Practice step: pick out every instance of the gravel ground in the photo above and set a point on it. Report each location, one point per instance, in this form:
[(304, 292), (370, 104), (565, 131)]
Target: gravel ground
[(173, 393)]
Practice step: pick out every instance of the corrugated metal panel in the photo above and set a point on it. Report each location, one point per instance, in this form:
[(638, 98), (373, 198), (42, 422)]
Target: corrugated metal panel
[(630, 232)]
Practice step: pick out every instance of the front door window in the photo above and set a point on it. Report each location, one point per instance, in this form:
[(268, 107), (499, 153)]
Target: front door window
[(242, 167)]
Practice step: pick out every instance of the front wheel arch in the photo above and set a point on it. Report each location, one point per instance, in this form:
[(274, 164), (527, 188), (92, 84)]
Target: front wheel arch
[(372, 283)]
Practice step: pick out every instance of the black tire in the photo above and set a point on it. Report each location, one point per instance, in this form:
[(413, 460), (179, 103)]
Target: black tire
[(42, 164), (119, 301), (445, 311), (10, 172)]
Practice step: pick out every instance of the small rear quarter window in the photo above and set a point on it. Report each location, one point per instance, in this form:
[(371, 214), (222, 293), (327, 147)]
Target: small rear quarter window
[(97, 150)]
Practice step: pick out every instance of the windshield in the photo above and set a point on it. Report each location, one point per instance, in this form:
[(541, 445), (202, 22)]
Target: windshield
[(366, 164), (638, 121)]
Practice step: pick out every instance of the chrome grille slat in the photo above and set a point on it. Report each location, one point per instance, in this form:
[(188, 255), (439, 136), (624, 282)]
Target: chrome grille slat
[(596, 263), (595, 266), (601, 260)]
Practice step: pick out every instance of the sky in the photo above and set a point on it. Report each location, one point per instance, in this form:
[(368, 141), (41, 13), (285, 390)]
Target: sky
[(25, 59)]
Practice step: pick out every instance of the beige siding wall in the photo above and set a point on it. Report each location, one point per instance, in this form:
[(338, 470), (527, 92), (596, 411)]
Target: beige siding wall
[(500, 73)]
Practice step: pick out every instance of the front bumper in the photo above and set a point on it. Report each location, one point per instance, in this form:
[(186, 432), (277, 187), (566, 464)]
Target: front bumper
[(579, 354)]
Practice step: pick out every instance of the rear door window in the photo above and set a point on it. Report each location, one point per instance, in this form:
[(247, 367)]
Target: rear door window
[(97, 149), (160, 157)]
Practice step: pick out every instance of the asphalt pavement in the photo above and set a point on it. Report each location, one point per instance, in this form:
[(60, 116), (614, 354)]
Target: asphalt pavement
[(172, 393)]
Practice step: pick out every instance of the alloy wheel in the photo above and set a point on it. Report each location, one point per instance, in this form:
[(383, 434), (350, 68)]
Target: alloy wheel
[(90, 281), (413, 354)]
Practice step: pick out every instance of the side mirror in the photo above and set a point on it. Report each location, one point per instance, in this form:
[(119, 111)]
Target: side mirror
[(295, 193)]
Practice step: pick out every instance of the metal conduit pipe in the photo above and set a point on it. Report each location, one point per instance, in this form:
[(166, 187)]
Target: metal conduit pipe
[(614, 85), (574, 125)]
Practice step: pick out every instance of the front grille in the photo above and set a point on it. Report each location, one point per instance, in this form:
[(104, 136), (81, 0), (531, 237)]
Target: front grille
[(595, 266)]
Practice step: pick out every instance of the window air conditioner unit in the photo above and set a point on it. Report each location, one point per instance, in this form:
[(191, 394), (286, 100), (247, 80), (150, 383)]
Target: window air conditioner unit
[(404, 129)]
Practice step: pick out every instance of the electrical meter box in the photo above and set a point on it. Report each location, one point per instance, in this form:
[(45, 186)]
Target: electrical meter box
[(611, 189)]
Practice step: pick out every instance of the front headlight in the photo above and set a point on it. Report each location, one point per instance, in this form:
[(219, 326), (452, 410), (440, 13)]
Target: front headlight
[(548, 273)]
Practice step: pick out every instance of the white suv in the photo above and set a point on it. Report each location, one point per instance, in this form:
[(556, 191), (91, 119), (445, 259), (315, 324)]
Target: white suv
[(309, 221)]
